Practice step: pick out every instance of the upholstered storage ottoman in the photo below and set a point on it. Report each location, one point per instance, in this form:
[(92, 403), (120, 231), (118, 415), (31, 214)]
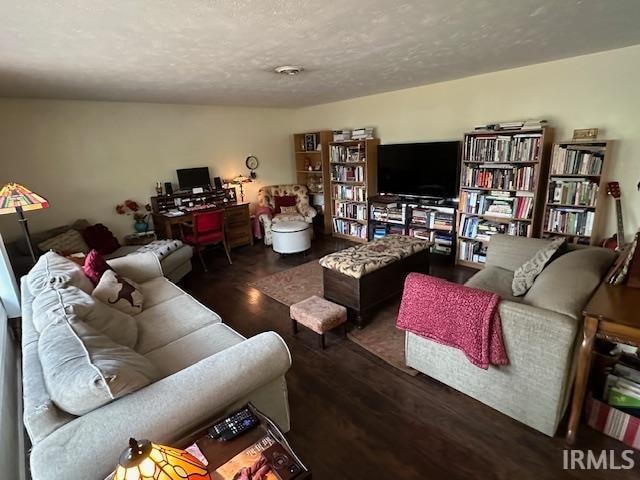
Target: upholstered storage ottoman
[(317, 314), (366, 275), (291, 236)]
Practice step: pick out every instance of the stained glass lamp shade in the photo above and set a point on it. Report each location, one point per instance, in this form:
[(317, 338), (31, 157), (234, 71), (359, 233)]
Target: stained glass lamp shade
[(144, 460), (15, 198)]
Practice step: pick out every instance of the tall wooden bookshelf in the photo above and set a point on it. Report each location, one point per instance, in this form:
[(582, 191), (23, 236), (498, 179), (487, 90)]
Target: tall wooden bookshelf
[(354, 178), (503, 180), (311, 151), (576, 194)]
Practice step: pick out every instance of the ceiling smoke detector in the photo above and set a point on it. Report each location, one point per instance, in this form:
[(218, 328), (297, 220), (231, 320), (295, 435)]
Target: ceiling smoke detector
[(288, 70)]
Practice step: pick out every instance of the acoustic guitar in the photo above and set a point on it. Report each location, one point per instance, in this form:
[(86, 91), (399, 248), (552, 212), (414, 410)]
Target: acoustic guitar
[(616, 242)]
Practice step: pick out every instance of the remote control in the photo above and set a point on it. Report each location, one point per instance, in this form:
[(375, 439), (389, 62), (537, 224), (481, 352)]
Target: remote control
[(235, 424)]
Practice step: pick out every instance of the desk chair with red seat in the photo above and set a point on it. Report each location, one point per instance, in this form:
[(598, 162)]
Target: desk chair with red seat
[(206, 228)]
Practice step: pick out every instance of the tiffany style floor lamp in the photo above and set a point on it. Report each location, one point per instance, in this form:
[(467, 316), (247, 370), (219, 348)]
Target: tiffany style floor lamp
[(14, 198)]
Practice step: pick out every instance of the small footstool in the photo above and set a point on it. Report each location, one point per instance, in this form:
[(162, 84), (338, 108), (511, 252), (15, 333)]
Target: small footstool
[(319, 315)]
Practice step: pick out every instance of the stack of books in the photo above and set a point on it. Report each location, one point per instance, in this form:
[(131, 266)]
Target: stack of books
[(472, 251), (350, 192), (354, 211), (347, 227), (346, 153), (571, 161), (503, 148), (622, 389), (362, 133), (578, 191), (341, 135)]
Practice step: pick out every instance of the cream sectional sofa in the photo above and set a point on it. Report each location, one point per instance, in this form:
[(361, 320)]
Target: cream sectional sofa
[(205, 369)]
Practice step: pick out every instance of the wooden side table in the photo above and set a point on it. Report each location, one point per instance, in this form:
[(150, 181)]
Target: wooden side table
[(613, 313)]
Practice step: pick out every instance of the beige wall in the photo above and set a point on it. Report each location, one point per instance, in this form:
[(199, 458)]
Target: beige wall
[(600, 90), (85, 157)]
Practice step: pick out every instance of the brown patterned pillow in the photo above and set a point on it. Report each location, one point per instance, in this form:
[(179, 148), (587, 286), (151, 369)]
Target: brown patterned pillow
[(289, 210), (66, 243), (526, 274)]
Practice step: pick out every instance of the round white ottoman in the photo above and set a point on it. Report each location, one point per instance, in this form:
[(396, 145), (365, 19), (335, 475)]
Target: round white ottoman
[(291, 237)]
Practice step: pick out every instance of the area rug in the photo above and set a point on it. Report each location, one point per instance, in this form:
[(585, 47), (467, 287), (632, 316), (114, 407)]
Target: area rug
[(293, 285), (380, 336)]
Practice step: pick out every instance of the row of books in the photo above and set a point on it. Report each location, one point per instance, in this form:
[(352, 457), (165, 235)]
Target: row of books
[(472, 251), (431, 218), (497, 204), (503, 148), (381, 231), (572, 221), (391, 213), (350, 192), (442, 241), (573, 192), (512, 178), (480, 229), (569, 161), (341, 173), (346, 153), (355, 211), (346, 227)]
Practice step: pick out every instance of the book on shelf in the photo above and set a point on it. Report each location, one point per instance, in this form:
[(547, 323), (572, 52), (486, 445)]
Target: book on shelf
[(350, 192), (500, 178), (352, 228), (502, 148), (364, 133), (574, 191), (432, 218), (343, 173), (472, 251), (497, 204), (347, 153), (354, 211), (341, 135), (570, 221), (568, 160)]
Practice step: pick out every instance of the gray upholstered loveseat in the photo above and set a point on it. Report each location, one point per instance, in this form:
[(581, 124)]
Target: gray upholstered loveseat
[(541, 331), (204, 368)]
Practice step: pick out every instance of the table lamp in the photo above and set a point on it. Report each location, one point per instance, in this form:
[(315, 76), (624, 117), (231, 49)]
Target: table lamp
[(240, 180), (144, 460), (15, 198)]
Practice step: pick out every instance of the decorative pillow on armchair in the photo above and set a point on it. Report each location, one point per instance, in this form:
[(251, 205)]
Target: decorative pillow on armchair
[(288, 210), (94, 266), (119, 292), (284, 201)]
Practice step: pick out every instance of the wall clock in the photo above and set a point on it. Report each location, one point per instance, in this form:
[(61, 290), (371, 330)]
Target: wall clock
[(252, 164)]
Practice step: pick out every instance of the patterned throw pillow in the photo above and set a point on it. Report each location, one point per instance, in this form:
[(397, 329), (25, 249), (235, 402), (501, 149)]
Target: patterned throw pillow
[(284, 201), (119, 292), (526, 274), (94, 266), (66, 243), (288, 210)]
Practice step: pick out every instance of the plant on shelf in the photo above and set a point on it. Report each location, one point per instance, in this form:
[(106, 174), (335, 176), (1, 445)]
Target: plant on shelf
[(139, 213)]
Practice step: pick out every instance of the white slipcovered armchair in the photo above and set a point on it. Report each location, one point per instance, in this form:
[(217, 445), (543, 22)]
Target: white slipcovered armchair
[(267, 207)]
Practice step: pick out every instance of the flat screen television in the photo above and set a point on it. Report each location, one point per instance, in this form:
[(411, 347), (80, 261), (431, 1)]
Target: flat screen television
[(419, 169), (189, 178)]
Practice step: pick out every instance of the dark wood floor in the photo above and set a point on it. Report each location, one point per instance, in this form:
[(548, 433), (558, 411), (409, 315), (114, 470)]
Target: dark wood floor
[(355, 417)]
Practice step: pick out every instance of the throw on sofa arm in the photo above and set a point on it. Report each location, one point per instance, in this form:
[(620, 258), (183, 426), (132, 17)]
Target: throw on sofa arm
[(139, 267), (165, 411)]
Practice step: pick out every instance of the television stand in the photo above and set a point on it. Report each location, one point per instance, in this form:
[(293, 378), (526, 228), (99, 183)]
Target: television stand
[(430, 218)]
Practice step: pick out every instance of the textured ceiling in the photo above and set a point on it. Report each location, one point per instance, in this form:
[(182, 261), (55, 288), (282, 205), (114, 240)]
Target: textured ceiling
[(223, 52)]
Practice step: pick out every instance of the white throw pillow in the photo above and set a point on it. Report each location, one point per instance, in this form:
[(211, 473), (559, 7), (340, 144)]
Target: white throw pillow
[(118, 326), (526, 274), (119, 292), (55, 271), (84, 369)]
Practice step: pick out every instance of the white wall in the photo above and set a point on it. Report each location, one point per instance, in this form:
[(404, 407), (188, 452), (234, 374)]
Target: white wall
[(85, 157), (599, 90)]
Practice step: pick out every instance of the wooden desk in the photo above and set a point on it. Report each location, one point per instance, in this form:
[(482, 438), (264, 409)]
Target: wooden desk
[(613, 313), (237, 220)]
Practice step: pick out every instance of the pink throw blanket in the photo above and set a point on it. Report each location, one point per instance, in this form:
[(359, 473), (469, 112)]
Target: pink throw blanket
[(454, 315)]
